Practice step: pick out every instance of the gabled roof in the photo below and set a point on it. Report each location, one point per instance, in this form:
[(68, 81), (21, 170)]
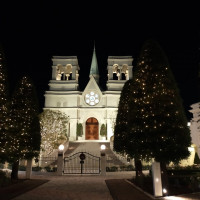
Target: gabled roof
[(92, 85)]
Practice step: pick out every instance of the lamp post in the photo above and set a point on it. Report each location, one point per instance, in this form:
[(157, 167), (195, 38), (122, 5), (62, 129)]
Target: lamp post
[(103, 160), (60, 149), (60, 160)]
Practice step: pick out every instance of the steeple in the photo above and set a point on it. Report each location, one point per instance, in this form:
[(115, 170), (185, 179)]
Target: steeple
[(94, 71)]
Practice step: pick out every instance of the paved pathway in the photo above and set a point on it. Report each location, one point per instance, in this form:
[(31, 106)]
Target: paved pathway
[(73, 187), (70, 188), (90, 187)]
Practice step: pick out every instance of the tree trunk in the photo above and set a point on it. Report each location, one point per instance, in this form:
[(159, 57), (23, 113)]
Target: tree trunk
[(164, 175), (138, 167), (14, 173)]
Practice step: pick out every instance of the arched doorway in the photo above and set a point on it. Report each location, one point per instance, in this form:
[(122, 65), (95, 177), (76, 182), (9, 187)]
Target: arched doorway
[(92, 129)]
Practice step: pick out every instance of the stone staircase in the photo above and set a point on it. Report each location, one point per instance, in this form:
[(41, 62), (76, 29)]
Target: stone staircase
[(94, 148)]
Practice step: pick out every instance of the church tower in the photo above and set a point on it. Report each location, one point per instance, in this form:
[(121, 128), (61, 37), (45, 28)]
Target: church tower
[(65, 73), (92, 108), (119, 71)]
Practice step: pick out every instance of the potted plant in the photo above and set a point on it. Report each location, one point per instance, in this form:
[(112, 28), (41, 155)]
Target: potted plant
[(103, 132)]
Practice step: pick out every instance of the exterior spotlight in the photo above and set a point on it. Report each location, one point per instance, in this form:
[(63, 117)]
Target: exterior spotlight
[(164, 190), (157, 179)]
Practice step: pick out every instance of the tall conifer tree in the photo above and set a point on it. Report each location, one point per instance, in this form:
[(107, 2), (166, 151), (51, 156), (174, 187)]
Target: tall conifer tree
[(24, 141), (121, 127), (157, 120), (4, 105)]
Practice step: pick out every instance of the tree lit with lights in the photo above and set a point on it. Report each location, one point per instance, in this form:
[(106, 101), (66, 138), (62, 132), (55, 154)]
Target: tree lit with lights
[(4, 106), (156, 121), (24, 131), (53, 125), (121, 127)]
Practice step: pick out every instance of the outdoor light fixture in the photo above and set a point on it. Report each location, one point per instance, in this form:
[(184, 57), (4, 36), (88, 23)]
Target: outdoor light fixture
[(157, 179), (60, 150), (191, 149), (174, 198), (103, 147), (164, 191), (61, 147)]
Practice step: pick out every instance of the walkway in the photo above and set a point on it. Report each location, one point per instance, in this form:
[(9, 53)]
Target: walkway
[(73, 187), (86, 187)]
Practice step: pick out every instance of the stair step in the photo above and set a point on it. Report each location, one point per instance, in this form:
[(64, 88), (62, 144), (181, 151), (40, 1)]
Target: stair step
[(94, 149)]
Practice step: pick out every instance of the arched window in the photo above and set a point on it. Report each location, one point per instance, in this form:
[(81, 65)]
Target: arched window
[(116, 72), (124, 72), (68, 72), (59, 72)]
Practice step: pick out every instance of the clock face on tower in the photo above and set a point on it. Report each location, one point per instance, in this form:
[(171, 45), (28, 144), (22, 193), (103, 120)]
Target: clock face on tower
[(92, 98)]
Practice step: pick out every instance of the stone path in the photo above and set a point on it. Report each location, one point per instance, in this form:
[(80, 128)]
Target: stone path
[(70, 188), (113, 186), (73, 187)]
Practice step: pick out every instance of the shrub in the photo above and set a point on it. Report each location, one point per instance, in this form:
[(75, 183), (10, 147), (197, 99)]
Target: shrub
[(196, 159), (51, 169), (36, 169), (79, 130), (4, 180), (22, 168), (103, 131)]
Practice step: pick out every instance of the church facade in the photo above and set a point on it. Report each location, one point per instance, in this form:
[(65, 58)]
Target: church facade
[(195, 126), (92, 107)]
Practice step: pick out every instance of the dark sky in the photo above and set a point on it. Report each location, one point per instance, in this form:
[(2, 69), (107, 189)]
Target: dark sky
[(31, 33)]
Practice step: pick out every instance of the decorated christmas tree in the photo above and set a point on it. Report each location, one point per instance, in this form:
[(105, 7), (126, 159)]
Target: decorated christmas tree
[(121, 127), (4, 106), (157, 121), (24, 131), (53, 124)]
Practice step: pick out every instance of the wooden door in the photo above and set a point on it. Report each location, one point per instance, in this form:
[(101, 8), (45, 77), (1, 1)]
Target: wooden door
[(92, 129)]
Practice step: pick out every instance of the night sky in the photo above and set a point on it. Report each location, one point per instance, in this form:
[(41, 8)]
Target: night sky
[(31, 33)]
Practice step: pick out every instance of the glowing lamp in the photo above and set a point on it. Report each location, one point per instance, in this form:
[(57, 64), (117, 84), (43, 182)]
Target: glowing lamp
[(103, 147), (191, 149), (164, 191), (61, 147), (157, 179)]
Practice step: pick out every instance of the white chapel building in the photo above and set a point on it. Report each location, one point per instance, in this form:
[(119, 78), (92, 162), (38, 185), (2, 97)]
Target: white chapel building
[(91, 107)]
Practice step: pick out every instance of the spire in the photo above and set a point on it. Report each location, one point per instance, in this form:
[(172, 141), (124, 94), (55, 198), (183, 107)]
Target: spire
[(94, 66)]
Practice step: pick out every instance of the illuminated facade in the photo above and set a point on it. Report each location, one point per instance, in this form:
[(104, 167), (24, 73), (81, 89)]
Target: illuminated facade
[(91, 107), (195, 126)]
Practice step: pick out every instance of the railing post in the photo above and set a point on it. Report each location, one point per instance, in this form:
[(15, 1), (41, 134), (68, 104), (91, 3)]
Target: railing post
[(103, 160)]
